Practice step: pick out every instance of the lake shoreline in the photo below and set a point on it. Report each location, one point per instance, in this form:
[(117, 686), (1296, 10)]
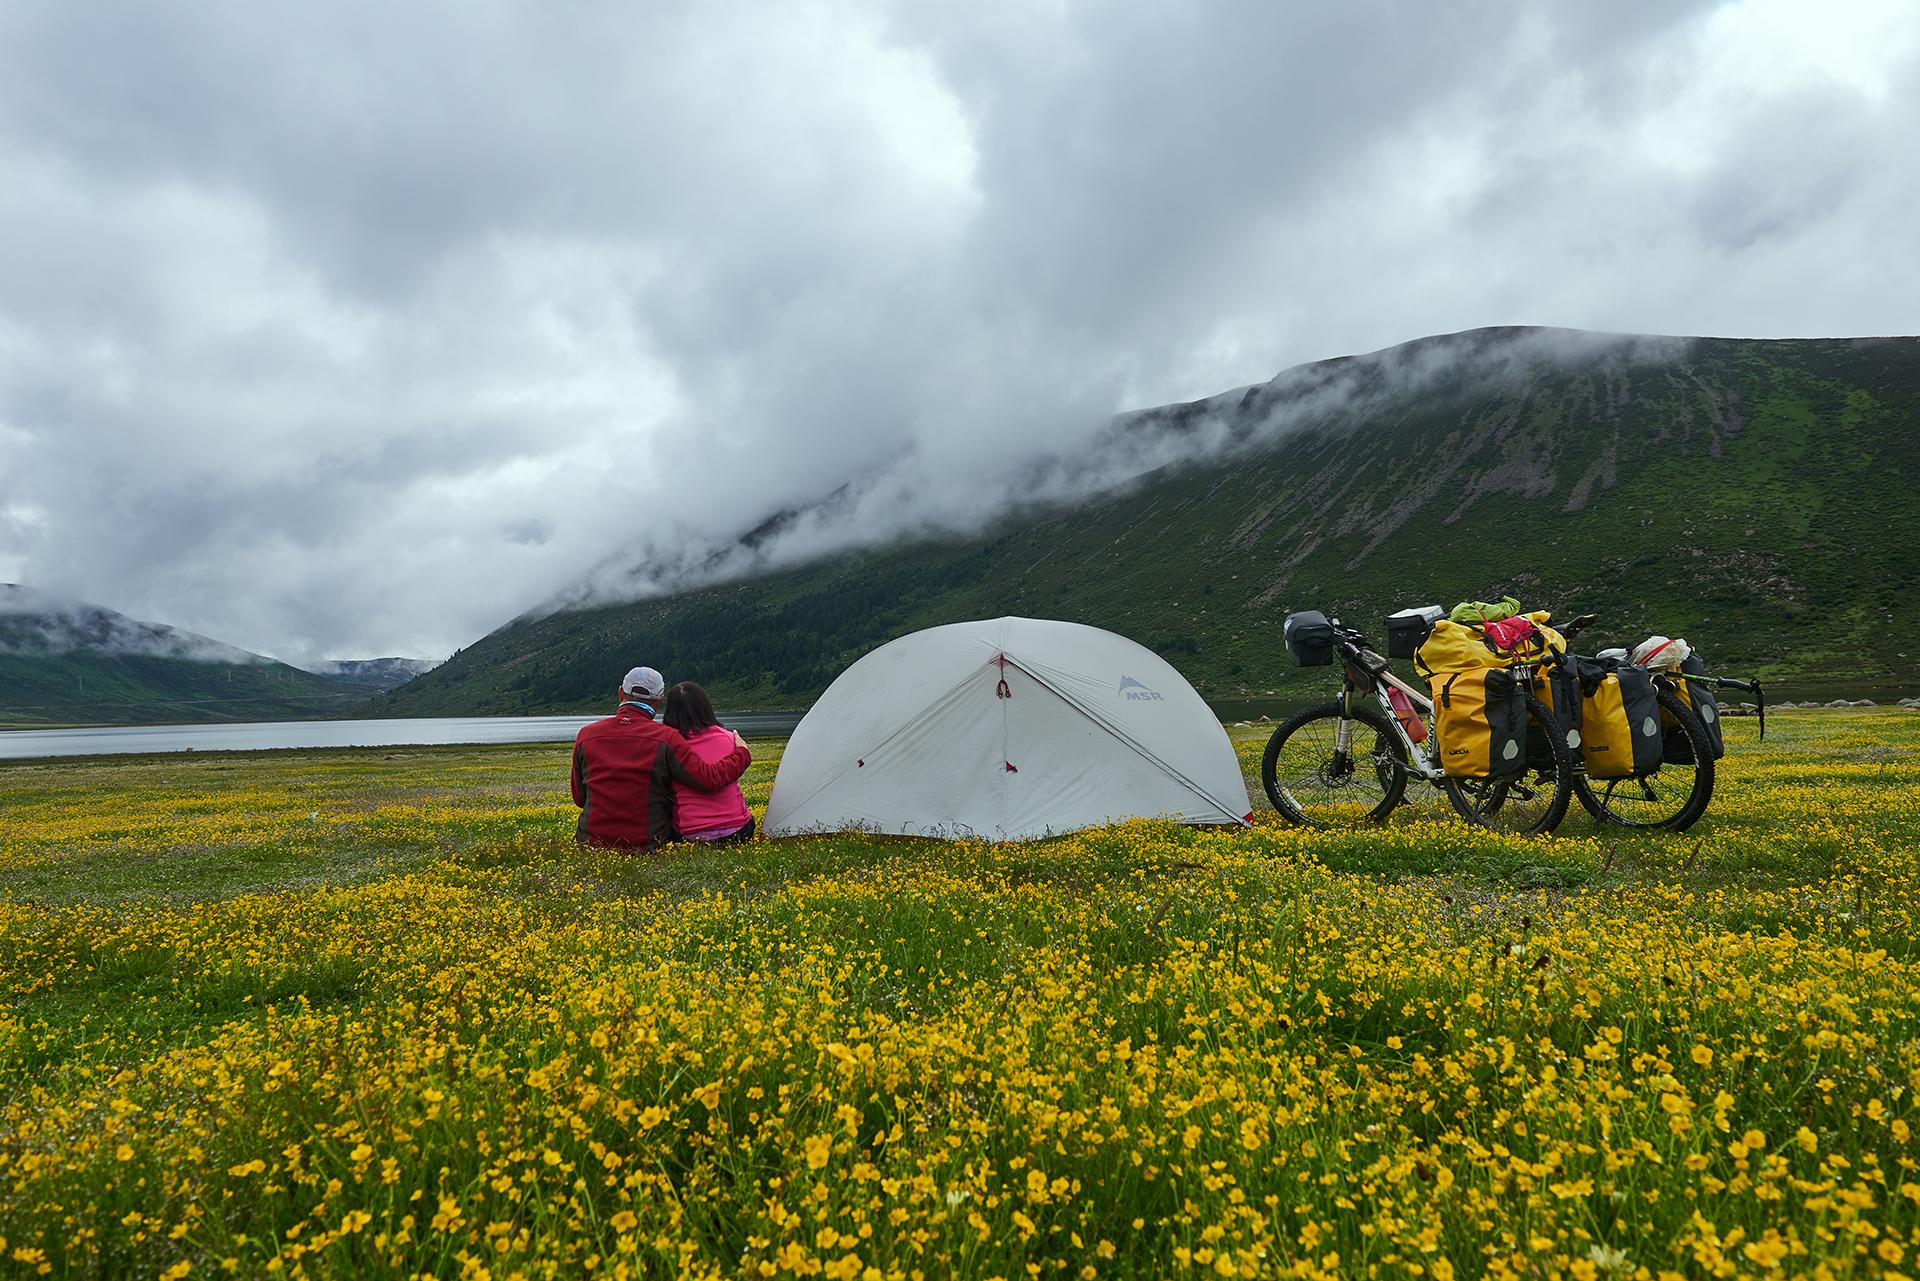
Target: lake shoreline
[(79, 744), (257, 736)]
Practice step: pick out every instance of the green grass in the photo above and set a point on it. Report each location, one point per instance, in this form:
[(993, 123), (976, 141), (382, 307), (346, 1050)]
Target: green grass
[(371, 1012)]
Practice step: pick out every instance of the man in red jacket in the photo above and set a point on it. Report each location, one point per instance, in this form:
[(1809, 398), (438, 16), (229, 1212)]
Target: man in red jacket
[(624, 768)]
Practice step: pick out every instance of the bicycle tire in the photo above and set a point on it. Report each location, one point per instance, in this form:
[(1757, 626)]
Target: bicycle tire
[(1480, 801), (1333, 780), (1605, 800)]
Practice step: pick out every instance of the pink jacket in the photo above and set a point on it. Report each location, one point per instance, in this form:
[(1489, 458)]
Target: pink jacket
[(698, 811), (1507, 633)]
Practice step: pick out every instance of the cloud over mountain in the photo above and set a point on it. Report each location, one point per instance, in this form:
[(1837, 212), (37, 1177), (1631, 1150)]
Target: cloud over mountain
[(358, 329), (36, 623)]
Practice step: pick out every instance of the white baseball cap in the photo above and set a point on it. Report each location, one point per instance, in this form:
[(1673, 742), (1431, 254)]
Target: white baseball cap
[(644, 680)]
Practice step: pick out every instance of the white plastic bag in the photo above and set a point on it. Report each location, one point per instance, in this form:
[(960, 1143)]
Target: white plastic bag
[(1660, 653)]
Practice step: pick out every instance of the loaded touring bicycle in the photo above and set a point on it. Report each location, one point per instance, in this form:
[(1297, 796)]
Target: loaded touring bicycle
[(1511, 727), (1351, 759)]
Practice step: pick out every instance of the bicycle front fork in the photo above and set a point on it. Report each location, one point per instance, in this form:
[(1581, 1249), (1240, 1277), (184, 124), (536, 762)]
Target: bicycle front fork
[(1343, 735)]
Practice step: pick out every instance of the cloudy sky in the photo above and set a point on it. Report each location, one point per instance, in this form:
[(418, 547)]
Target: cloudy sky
[(357, 328)]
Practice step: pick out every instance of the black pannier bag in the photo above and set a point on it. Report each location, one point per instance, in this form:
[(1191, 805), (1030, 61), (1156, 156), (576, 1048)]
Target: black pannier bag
[(1643, 701), (1407, 629), (1309, 638), (1698, 696)]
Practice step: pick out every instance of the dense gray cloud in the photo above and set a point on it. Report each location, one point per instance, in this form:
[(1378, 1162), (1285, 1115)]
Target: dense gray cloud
[(354, 329)]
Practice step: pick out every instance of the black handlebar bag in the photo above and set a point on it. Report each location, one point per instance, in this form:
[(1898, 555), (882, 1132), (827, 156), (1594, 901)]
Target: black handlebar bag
[(1309, 638)]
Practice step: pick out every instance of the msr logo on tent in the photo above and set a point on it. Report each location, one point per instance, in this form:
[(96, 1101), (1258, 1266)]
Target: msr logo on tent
[(1134, 692)]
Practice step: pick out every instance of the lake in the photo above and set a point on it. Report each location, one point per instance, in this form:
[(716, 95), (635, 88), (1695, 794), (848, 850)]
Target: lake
[(117, 740)]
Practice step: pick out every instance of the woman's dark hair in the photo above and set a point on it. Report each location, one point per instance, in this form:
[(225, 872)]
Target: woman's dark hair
[(689, 710)]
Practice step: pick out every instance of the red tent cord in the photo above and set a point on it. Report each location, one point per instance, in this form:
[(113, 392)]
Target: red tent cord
[(1003, 690)]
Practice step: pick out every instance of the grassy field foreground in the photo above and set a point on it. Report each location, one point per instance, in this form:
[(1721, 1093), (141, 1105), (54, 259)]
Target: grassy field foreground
[(365, 1013)]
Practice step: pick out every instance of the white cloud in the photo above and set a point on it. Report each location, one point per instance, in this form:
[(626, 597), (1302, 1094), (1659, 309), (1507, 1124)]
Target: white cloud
[(355, 330)]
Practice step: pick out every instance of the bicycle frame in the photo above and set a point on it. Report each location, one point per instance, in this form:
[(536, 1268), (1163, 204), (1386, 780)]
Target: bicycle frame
[(1364, 673)]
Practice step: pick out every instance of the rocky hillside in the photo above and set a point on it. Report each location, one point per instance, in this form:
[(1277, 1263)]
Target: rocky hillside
[(1754, 496)]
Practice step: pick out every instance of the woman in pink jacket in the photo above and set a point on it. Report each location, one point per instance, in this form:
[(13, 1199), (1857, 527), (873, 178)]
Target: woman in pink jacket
[(717, 816)]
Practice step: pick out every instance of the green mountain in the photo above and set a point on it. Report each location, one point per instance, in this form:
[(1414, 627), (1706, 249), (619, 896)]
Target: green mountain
[(1757, 497), (69, 662)]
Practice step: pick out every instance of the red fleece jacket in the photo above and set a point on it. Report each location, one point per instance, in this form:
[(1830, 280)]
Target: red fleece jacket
[(624, 768)]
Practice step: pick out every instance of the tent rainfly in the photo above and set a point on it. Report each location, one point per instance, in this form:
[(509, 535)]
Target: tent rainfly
[(1006, 729)]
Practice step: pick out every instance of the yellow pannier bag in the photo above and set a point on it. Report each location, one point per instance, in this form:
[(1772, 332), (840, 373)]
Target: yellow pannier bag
[(1480, 721), (1620, 725), (1459, 647), (1549, 642), (1455, 647)]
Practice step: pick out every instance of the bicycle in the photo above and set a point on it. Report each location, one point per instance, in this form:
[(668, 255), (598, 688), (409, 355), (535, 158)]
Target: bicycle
[(1314, 777), (1675, 794)]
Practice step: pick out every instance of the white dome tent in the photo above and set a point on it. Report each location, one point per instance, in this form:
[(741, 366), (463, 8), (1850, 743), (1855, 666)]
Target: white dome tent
[(1006, 729)]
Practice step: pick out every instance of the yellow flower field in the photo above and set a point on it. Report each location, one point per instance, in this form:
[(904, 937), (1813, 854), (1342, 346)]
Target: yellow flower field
[(362, 1013)]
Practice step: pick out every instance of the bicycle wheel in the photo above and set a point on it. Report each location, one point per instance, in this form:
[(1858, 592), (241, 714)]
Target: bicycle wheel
[(1533, 801), (1673, 797), (1313, 784)]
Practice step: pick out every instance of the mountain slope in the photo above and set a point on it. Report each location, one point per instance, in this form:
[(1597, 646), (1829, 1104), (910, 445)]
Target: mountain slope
[(1755, 496), (70, 662)]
